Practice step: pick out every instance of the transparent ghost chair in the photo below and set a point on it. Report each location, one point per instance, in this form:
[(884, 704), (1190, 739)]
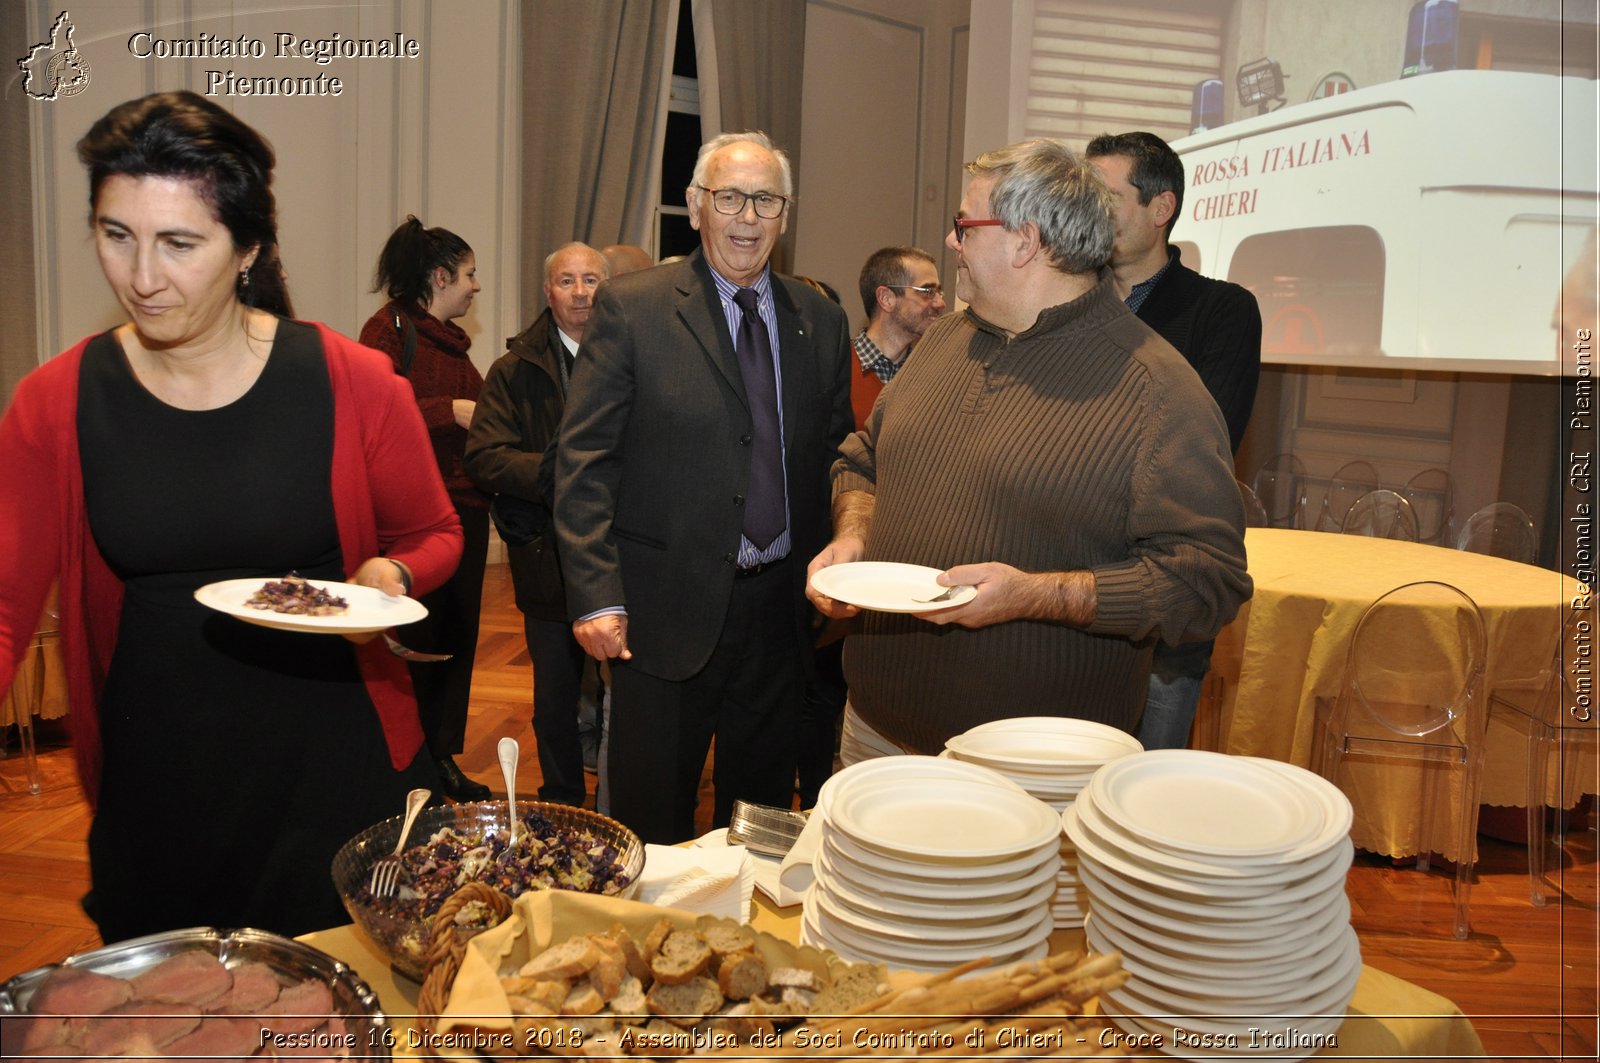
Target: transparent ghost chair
[(1280, 484), (1501, 529), (1255, 514), (1381, 514), (1431, 493), (1353, 480), (1412, 701), (1560, 724)]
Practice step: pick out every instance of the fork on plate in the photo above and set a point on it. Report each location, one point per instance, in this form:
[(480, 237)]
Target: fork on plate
[(384, 881)]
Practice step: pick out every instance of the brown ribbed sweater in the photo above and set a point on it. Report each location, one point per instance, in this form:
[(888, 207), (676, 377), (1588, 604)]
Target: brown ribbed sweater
[(1084, 443)]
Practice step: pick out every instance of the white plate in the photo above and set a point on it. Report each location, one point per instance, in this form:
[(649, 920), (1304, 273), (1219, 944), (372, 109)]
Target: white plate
[(1194, 802), (887, 586), (983, 873), (917, 932), (950, 820), (1041, 751), (933, 890), (1308, 939), (892, 902), (1112, 854), (1285, 995), (895, 949), (1206, 974), (908, 767), (370, 609)]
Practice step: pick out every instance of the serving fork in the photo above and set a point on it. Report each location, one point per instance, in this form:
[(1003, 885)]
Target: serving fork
[(384, 880)]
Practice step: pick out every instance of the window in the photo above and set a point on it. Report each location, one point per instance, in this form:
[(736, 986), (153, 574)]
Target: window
[(681, 143)]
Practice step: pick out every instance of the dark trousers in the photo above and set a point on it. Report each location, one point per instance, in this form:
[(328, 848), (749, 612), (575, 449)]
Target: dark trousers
[(747, 697), (558, 663), (451, 626), (818, 734)]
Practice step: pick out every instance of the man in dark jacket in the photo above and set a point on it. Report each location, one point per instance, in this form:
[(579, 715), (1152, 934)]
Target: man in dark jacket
[(1215, 325), (513, 429)]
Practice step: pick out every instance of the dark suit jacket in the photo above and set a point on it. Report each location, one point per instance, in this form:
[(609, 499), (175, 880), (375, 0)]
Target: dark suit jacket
[(1217, 327), (653, 457)]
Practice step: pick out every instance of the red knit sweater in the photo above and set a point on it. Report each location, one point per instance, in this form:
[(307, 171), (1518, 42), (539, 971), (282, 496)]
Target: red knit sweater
[(441, 372), (381, 506)]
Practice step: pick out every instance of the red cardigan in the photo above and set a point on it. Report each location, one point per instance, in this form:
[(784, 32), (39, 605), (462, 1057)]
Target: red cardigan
[(387, 499)]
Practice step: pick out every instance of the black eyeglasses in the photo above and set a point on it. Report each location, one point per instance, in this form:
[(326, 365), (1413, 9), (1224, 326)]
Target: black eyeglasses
[(731, 201), (927, 291), (961, 225)]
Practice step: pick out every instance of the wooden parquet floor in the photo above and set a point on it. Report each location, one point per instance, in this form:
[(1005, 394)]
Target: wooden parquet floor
[(1527, 976)]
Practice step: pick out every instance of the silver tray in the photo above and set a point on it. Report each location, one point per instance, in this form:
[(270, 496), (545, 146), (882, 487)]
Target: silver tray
[(353, 1000)]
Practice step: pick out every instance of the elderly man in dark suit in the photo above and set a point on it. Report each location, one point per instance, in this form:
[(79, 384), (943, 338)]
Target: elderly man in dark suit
[(691, 489)]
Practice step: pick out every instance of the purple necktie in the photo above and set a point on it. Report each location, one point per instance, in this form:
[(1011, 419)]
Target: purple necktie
[(763, 508)]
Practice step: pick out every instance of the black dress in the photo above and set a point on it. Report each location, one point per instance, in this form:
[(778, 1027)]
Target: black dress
[(238, 758)]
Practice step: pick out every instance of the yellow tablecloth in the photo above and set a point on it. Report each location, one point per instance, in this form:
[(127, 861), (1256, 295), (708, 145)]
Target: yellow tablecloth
[(1286, 650), (1388, 1017)]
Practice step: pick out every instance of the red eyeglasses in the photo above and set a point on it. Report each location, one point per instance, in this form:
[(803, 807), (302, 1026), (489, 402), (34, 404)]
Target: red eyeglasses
[(961, 225)]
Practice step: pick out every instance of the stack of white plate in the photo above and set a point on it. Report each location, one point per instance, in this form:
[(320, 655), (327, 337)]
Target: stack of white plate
[(1221, 881), (1053, 758), (925, 863)]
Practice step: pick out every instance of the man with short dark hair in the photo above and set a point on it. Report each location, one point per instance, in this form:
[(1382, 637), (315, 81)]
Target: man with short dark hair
[(511, 453), (901, 293), (1215, 325), (1047, 449), (691, 487)]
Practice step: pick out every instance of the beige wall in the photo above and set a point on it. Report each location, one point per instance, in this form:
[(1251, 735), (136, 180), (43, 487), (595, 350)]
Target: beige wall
[(883, 112), (432, 136)]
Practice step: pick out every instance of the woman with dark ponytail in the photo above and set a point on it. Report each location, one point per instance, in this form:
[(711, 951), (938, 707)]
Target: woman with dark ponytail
[(430, 276), (211, 437)]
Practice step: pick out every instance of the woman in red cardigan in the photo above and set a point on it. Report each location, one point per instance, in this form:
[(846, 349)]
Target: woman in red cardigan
[(212, 437), (430, 276)]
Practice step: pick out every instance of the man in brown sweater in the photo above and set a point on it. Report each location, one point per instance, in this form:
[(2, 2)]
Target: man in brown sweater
[(1050, 450)]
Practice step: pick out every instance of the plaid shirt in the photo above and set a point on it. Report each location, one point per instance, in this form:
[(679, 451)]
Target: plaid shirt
[(873, 360)]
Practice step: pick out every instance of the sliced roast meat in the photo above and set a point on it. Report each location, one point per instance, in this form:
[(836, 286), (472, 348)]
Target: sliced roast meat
[(72, 991), (137, 1020), (218, 1037), (299, 1008), (44, 1035), (195, 978), (255, 985)]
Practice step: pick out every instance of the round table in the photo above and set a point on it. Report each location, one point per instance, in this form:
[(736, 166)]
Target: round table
[(1286, 650)]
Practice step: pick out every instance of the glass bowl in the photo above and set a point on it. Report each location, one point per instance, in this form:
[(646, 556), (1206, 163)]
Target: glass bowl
[(400, 927)]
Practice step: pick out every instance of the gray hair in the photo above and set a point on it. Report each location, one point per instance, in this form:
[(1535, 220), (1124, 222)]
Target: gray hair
[(1045, 182), (549, 260), (754, 136)]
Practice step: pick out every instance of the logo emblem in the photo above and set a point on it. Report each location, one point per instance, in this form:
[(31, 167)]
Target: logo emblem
[(55, 69)]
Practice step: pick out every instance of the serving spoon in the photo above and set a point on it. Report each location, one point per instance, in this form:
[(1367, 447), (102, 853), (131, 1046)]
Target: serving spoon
[(510, 753), (946, 595)]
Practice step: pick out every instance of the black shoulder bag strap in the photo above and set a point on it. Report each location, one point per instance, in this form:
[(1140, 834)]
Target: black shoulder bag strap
[(408, 342)]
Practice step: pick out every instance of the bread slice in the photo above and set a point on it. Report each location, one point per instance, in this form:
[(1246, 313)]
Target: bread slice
[(584, 999), (566, 960), (638, 966), (727, 938), (684, 1003), (628, 1004), (682, 956), (654, 939), (547, 994), (796, 977), (607, 974), (742, 975), (850, 988)]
